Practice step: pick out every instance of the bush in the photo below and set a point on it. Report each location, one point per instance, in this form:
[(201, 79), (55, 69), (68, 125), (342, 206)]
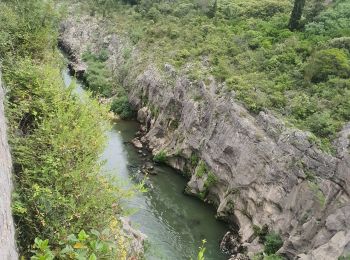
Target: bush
[(323, 124), (326, 63), (261, 232), (92, 245), (122, 107), (194, 160), (201, 169), (97, 77), (160, 157), (273, 257), (153, 14), (273, 243), (341, 43), (211, 180)]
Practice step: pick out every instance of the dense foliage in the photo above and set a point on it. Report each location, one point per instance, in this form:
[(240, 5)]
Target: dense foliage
[(122, 107), (97, 77), (92, 246), (56, 141), (301, 75)]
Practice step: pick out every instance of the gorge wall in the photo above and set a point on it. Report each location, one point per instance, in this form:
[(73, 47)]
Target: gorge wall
[(7, 230), (265, 173)]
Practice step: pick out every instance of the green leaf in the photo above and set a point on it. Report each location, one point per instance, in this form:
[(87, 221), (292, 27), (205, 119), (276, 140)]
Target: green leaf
[(92, 257), (82, 236)]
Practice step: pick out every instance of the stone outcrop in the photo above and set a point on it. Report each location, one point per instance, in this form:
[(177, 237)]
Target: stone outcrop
[(136, 239), (265, 172), (7, 230)]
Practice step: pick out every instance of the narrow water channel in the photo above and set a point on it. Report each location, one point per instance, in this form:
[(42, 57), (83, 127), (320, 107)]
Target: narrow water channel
[(174, 223)]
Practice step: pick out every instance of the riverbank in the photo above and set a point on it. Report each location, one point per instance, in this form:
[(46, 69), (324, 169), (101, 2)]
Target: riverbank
[(63, 207)]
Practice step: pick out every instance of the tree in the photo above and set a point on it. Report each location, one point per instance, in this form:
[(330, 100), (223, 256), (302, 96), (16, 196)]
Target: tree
[(297, 12), (213, 9)]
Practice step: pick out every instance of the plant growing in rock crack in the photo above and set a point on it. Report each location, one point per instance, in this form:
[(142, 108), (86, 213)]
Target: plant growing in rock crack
[(273, 242), (201, 169), (315, 188), (211, 180), (261, 232), (160, 157), (194, 160)]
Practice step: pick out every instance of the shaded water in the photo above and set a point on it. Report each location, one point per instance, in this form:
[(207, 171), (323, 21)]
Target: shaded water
[(174, 223)]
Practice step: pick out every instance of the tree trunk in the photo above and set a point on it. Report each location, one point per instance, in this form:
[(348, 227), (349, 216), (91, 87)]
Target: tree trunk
[(296, 14)]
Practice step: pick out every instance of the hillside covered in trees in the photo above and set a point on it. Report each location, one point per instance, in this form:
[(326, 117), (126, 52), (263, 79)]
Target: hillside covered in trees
[(300, 73)]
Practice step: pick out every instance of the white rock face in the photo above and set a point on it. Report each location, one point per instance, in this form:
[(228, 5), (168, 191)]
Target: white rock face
[(7, 231), (265, 173)]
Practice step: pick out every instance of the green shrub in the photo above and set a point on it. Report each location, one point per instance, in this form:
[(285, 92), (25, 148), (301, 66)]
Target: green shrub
[(153, 14), (122, 107), (273, 257), (211, 180), (27, 28), (261, 232), (201, 169), (160, 157), (194, 160), (333, 22), (326, 63), (323, 124), (97, 77), (273, 243), (92, 245)]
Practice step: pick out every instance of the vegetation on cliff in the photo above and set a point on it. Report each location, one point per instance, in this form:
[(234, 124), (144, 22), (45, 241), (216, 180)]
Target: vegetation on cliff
[(300, 74), (56, 142)]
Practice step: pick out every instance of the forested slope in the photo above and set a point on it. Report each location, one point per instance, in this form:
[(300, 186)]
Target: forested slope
[(302, 75)]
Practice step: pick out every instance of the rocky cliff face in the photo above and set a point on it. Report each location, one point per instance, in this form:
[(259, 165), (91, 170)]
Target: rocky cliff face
[(255, 169), (7, 231)]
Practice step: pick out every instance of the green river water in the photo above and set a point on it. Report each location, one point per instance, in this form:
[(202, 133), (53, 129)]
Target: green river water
[(174, 223)]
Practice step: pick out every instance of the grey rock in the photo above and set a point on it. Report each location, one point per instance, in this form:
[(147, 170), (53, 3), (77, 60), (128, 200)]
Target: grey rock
[(230, 244), (7, 230), (136, 238), (137, 143)]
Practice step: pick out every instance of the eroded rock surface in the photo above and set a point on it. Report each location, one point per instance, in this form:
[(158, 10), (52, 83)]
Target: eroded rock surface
[(265, 173), (136, 238)]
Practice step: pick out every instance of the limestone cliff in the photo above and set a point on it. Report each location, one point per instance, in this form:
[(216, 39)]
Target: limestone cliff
[(265, 173), (7, 231)]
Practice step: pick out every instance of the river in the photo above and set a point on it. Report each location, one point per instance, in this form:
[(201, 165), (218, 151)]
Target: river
[(174, 223)]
